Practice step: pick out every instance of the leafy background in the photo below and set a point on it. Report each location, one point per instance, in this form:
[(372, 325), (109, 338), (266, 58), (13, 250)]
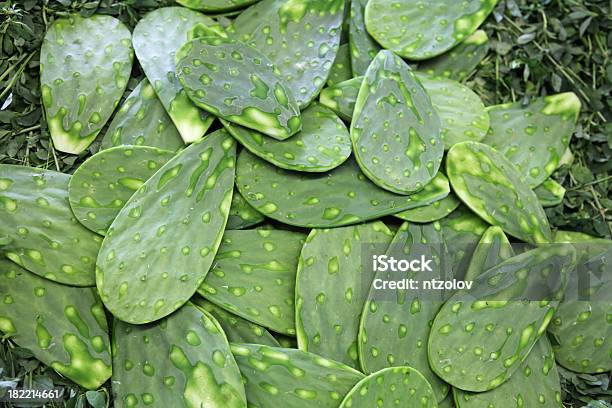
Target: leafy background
[(538, 47)]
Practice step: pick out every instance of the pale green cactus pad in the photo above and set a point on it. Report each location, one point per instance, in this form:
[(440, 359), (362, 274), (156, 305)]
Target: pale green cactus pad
[(241, 214), (155, 47), (237, 329), (142, 121), (419, 30), (341, 97), (493, 248), (215, 6), (44, 235), (102, 185), (363, 47), (391, 387), (550, 193), (534, 384), (492, 187), (395, 129), (301, 37), (459, 62), (341, 69), (85, 65), (289, 378), (322, 144), (395, 324), (149, 264), (64, 327), (534, 137), (254, 277), (462, 113), (248, 91), (431, 212), (183, 360), (342, 196), (331, 287), (480, 337)]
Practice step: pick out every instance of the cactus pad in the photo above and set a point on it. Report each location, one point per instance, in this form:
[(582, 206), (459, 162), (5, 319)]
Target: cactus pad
[(493, 248), (85, 65), (341, 69), (427, 29), (101, 186), (183, 360), (149, 264), (494, 189), (215, 6), (342, 196), (241, 214), (550, 193), (341, 97), (431, 212), (64, 327), (331, 287), (45, 237), (395, 129), (363, 47), (322, 144)]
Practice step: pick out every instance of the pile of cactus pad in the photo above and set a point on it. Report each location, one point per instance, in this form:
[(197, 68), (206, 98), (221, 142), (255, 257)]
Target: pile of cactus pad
[(213, 251)]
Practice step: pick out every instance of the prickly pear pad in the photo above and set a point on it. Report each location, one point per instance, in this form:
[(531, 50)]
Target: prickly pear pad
[(64, 327), (215, 6), (163, 241), (239, 84), (341, 97), (45, 237), (432, 212), (550, 193), (493, 248), (85, 65), (242, 215), (363, 47), (341, 69), (395, 129)]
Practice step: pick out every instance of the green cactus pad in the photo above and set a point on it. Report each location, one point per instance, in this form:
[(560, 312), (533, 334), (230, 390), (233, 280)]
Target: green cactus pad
[(45, 237), (322, 144), (241, 214), (341, 97), (480, 337), (85, 65), (156, 45), (427, 29), (342, 196), (534, 137), (459, 62), (254, 277), (534, 384), (102, 185), (301, 37), (183, 360), (64, 327), (341, 69), (493, 248), (289, 378), (394, 327), (462, 113), (431, 212), (248, 92), (237, 329), (448, 402), (391, 387), (550, 193), (331, 287), (142, 121), (392, 102), (215, 6), (363, 47), (149, 263), (493, 188)]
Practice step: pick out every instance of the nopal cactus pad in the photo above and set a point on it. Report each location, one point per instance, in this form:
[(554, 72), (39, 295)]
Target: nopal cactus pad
[(426, 29), (241, 214), (331, 287), (63, 326), (45, 237), (85, 65), (300, 37), (341, 97), (101, 186), (254, 277), (492, 249), (431, 212), (149, 265), (247, 91), (215, 6), (395, 129), (363, 47), (550, 193), (341, 69), (534, 137), (391, 387), (281, 377), (342, 196), (322, 144), (183, 360), (493, 188), (142, 121), (481, 336), (156, 46)]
